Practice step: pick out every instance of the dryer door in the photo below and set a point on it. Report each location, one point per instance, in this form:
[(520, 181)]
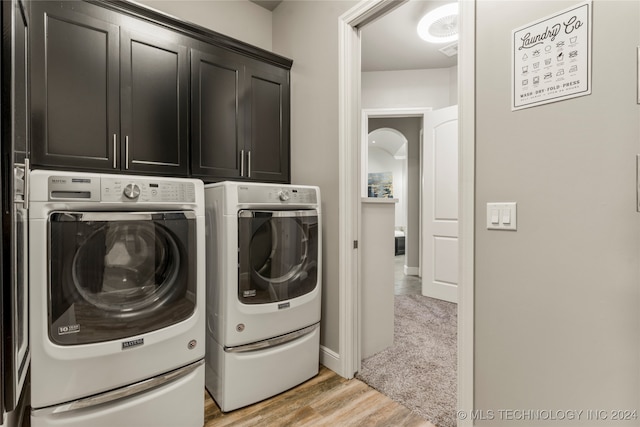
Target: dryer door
[(278, 255), (115, 275)]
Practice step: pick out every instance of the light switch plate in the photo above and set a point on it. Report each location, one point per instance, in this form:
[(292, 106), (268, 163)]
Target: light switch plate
[(506, 217), (638, 175)]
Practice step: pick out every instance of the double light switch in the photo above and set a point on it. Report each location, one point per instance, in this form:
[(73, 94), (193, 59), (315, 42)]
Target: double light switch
[(501, 216)]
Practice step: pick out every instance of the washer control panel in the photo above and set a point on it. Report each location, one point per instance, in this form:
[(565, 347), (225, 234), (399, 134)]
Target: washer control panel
[(147, 190), (120, 189), (277, 195)]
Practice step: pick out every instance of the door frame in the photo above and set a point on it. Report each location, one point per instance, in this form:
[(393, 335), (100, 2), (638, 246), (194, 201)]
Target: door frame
[(349, 110), (394, 113)]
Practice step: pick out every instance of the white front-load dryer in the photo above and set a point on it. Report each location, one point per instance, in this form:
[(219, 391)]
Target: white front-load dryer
[(263, 289)]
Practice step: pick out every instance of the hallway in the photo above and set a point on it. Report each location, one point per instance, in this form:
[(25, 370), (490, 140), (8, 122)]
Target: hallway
[(405, 285), (419, 370)]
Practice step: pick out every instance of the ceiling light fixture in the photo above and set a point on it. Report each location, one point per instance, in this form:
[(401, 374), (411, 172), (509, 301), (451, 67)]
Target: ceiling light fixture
[(440, 25)]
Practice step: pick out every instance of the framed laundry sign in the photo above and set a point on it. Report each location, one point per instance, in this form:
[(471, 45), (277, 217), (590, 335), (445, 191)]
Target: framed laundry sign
[(552, 58)]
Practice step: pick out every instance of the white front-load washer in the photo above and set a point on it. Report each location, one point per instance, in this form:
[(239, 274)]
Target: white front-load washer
[(263, 289), (117, 309)]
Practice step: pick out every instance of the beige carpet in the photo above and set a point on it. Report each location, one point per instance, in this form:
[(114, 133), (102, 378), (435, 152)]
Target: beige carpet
[(419, 370)]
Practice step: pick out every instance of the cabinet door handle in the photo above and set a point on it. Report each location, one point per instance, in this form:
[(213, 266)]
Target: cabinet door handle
[(126, 152), (241, 162), (27, 184), (249, 164), (115, 151)]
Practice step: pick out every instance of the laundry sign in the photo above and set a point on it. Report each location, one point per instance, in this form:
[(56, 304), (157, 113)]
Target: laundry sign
[(552, 58)]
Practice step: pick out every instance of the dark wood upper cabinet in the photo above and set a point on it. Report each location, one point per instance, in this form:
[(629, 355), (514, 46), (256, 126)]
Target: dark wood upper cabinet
[(239, 118), (119, 87), (267, 122), (74, 88), (105, 97), (217, 130), (155, 102)]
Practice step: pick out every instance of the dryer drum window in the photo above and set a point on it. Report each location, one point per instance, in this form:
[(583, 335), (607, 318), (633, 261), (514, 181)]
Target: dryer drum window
[(114, 275), (278, 255)]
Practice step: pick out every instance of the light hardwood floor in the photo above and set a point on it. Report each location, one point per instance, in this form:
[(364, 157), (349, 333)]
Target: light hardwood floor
[(325, 400)]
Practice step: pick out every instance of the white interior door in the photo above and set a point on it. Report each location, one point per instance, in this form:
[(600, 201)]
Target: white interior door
[(440, 205)]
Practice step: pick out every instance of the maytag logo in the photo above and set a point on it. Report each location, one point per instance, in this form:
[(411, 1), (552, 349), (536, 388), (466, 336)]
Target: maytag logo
[(284, 305), (59, 180), (132, 343)]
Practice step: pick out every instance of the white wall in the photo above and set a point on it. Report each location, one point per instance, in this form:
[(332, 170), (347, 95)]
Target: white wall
[(453, 86), (223, 16), (381, 161), (307, 32), (557, 303), (410, 88)]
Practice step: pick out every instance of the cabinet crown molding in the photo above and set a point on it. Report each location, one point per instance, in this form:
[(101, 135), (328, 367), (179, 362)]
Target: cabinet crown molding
[(193, 30)]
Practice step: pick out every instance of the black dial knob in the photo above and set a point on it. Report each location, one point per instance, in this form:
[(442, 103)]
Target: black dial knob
[(131, 191)]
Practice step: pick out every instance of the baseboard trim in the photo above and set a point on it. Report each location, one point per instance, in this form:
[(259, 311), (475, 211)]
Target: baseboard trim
[(331, 360), (411, 271)]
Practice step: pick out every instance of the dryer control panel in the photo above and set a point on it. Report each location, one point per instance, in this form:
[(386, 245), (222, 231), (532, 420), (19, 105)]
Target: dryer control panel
[(277, 195)]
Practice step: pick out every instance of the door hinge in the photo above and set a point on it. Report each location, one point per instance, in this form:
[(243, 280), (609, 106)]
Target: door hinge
[(355, 244)]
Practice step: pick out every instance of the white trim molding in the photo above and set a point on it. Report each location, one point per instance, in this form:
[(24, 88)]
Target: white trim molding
[(330, 359), (466, 232), (411, 271), (349, 95)]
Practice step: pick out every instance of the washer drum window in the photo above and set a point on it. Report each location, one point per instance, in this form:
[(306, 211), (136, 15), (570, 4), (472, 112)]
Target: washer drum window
[(115, 275), (278, 255)]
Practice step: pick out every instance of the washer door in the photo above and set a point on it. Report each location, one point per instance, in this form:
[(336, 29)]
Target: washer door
[(116, 275), (278, 255)]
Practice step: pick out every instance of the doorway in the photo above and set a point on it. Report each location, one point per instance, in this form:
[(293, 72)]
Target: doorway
[(398, 138), (349, 134)]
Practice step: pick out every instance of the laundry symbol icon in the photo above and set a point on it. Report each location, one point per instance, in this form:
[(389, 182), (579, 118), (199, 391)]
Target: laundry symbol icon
[(525, 57), (573, 69), (536, 52), (525, 82), (547, 48), (560, 44), (573, 54), (560, 56), (536, 65), (548, 75), (525, 69), (547, 61), (560, 72), (536, 80), (573, 39)]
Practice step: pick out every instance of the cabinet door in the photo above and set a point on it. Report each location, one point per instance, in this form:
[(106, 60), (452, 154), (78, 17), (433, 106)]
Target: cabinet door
[(74, 86), (20, 92), (154, 110), (267, 122), (216, 122)]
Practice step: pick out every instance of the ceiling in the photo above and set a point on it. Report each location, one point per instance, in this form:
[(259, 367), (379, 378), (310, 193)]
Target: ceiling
[(389, 140), (267, 4), (392, 43)]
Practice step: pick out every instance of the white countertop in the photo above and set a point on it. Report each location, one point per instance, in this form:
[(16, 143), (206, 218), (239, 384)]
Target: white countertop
[(381, 200)]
